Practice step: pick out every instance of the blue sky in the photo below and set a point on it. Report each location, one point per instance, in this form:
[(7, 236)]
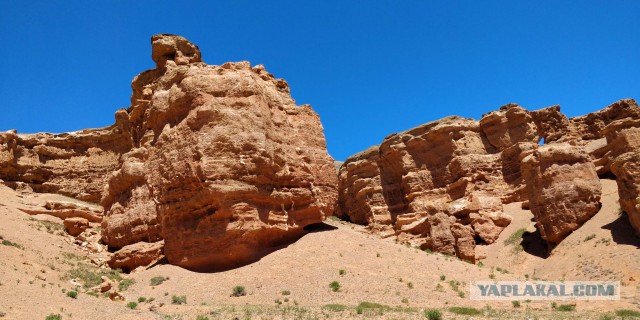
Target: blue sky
[(369, 68)]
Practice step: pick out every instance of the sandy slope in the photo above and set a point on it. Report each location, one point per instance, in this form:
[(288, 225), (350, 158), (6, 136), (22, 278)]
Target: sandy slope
[(32, 278)]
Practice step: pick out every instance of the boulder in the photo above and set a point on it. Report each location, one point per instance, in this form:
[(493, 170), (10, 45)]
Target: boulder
[(75, 226), (564, 189), (140, 254)]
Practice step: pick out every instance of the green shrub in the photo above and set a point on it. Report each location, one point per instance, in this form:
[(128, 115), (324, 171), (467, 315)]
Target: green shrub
[(465, 311), (433, 314), (132, 305), (335, 307), (286, 293), (628, 313), (72, 294), (156, 281), (515, 304), (238, 291), (454, 285), (342, 272), (178, 299), (142, 299), (12, 244), (443, 278), (566, 307), (53, 317), (335, 286)]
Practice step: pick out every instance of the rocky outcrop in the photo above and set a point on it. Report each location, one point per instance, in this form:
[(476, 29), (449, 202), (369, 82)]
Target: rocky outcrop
[(216, 161), (623, 139), (442, 185), (564, 189), (438, 186), (224, 167), (137, 255), (75, 164)]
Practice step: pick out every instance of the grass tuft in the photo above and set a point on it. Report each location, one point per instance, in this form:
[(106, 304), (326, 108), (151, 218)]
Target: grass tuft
[(238, 291), (156, 281), (335, 286), (179, 300), (465, 311), (433, 314)]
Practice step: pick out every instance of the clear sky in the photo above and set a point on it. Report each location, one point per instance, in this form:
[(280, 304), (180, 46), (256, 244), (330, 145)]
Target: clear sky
[(369, 68)]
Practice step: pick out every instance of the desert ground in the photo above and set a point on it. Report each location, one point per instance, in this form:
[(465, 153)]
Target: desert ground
[(378, 278)]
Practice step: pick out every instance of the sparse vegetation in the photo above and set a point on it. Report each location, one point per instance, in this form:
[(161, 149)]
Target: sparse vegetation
[(12, 244), (410, 285), (50, 227), (53, 317), (433, 314), (503, 271), (335, 307), (335, 286), (515, 240), (125, 284), (480, 264), (465, 311), (156, 281), (202, 318), (91, 275), (178, 300), (605, 316), (443, 278), (405, 300), (132, 305), (370, 306), (565, 307), (142, 299), (286, 292), (454, 285), (342, 272), (590, 237), (515, 304), (238, 291), (625, 313), (72, 294)]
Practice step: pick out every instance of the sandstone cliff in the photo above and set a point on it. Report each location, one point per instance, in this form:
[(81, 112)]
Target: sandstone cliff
[(442, 185), (216, 161)]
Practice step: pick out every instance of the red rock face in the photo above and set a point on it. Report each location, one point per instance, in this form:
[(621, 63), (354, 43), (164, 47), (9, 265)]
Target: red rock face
[(437, 186), (225, 165), (564, 189), (442, 185), (623, 139), (75, 164)]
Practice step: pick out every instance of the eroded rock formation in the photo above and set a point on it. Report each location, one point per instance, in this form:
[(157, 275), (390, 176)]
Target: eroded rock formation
[(564, 189), (216, 161), (442, 185), (75, 164), (224, 167)]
